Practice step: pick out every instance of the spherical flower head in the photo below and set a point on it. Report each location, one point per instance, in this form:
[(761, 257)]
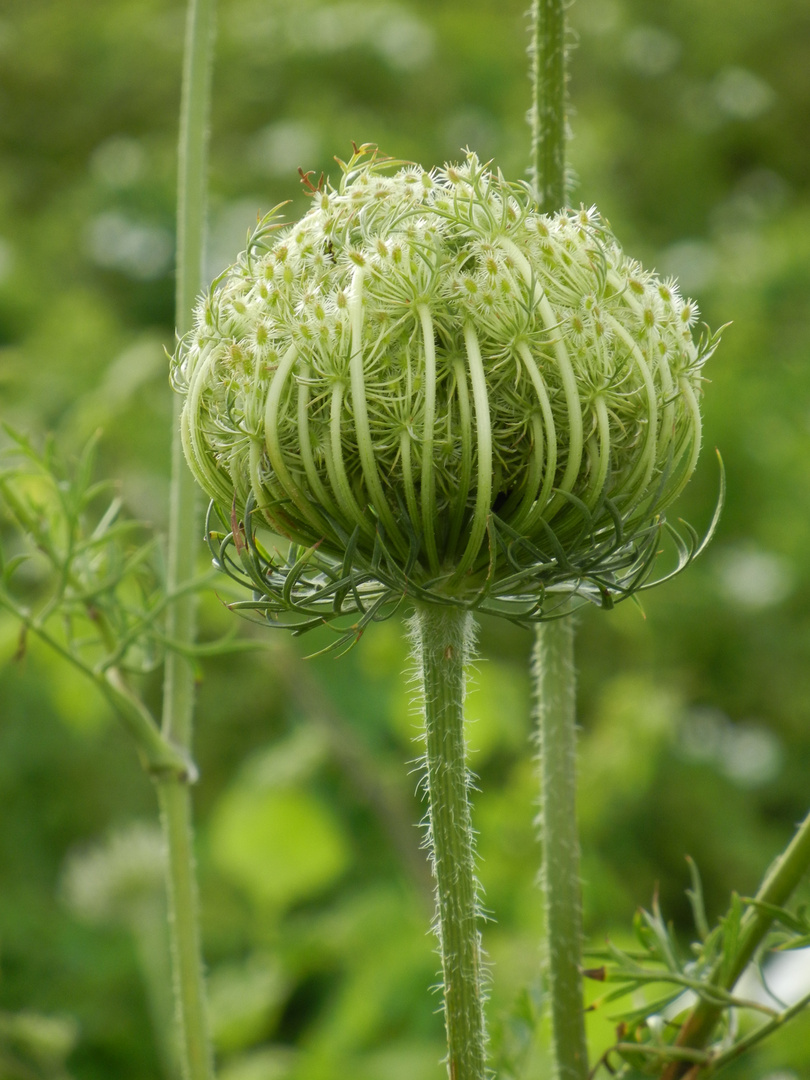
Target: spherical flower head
[(439, 391)]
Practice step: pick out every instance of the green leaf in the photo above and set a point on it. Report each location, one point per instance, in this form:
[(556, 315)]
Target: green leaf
[(695, 895), (731, 935), (243, 999), (280, 846), (796, 922)]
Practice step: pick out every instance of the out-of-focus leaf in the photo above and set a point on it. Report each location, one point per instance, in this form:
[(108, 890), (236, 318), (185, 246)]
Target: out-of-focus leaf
[(243, 999), (280, 846)]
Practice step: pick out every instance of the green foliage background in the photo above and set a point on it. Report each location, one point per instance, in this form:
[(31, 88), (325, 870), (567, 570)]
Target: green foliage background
[(690, 133)]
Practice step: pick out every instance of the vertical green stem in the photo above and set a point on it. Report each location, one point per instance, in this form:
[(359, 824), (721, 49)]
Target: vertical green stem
[(195, 1047), (556, 727), (442, 637), (555, 685), (178, 692), (548, 110)]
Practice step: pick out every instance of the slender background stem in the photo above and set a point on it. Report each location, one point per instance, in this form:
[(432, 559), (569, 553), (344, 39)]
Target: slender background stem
[(556, 733), (555, 685), (548, 110), (442, 638), (195, 1049), (178, 695)]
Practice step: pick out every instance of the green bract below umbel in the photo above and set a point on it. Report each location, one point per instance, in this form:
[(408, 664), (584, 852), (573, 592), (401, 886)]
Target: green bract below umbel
[(433, 389)]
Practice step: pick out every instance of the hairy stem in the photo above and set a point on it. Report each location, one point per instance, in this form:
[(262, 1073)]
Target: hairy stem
[(775, 890), (442, 638), (178, 692), (548, 110), (556, 728), (555, 686)]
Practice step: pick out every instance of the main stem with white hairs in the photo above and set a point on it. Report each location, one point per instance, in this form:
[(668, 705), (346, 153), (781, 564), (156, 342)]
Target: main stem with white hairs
[(442, 638)]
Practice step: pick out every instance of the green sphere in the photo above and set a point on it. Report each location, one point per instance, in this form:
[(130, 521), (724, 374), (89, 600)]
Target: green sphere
[(427, 372)]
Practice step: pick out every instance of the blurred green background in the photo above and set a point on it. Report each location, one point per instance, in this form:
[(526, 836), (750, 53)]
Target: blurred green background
[(691, 134)]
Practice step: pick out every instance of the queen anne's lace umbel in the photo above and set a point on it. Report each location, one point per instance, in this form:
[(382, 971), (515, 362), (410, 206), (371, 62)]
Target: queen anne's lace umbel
[(446, 389)]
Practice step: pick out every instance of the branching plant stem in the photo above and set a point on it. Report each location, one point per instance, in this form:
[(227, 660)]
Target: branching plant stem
[(775, 890), (442, 638), (178, 696)]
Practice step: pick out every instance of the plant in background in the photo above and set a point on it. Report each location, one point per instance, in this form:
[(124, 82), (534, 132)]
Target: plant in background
[(695, 1000), (90, 583), (120, 881), (99, 594), (36, 1047), (113, 612)]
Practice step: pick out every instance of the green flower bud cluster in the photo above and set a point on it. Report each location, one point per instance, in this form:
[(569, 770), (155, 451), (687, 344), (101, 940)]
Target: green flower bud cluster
[(443, 392)]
